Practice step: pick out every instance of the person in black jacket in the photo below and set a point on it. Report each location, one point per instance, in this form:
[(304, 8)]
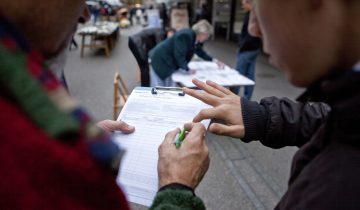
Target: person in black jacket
[(140, 44), (249, 48), (322, 55)]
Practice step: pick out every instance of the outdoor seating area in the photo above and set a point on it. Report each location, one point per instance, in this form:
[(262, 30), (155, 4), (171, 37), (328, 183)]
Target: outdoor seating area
[(102, 35)]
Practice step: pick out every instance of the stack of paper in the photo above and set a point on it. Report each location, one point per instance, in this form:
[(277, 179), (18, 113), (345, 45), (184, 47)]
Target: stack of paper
[(210, 71)]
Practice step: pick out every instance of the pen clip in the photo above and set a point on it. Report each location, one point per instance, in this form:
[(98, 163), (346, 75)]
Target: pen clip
[(159, 89)]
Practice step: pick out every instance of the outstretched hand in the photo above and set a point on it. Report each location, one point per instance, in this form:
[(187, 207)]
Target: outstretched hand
[(226, 107)]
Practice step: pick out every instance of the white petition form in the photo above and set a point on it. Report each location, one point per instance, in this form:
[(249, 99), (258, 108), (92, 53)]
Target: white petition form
[(206, 70), (153, 115)]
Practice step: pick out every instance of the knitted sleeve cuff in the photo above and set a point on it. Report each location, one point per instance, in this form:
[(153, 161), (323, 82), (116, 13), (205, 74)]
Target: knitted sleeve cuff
[(254, 117), (177, 186), (176, 196)]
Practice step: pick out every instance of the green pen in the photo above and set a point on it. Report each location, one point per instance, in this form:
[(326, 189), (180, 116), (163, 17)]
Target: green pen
[(180, 138)]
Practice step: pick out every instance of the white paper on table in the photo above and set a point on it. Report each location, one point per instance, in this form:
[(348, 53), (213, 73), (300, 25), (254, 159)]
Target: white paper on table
[(206, 70), (153, 116)]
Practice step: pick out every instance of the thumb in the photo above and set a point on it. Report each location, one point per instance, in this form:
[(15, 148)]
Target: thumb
[(110, 126)]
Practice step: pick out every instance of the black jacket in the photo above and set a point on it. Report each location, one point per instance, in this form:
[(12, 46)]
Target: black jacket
[(246, 41), (326, 169)]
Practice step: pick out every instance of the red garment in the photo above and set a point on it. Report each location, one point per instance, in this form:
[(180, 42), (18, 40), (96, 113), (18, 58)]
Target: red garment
[(38, 172)]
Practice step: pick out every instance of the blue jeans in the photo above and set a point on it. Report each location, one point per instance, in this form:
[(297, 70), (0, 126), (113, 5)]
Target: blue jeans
[(245, 65)]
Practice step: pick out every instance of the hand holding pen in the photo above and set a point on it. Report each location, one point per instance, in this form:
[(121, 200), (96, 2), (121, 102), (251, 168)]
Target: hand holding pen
[(188, 163)]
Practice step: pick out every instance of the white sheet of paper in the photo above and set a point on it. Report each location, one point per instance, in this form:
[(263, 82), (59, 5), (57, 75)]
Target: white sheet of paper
[(206, 70), (153, 116)]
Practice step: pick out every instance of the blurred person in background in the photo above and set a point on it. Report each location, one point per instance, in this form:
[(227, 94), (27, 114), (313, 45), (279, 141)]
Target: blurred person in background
[(203, 13), (175, 53), (163, 15), (249, 48)]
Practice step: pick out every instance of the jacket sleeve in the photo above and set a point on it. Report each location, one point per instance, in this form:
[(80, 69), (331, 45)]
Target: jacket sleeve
[(176, 197), (202, 54), (181, 48), (281, 122)]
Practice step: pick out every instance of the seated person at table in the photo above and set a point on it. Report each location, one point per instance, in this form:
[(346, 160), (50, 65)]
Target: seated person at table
[(51, 153), (175, 53)]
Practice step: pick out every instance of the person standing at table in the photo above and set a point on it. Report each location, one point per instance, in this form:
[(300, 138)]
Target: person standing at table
[(175, 53), (249, 48)]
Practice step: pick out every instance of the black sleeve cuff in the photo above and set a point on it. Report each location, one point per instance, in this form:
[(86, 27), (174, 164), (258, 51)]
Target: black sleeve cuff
[(255, 118), (177, 186)]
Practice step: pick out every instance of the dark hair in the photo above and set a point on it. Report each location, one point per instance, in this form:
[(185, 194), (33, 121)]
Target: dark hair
[(169, 29)]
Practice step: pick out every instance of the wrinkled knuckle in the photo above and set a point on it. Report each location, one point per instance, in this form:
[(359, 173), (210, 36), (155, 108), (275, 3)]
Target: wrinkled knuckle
[(224, 108), (168, 135), (219, 131), (160, 148), (202, 113), (122, 125), (206, 151), (203, 129), (215, 128)]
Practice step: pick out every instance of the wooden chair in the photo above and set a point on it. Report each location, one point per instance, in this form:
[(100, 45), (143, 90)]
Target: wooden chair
[(120, 95), (105, 43), (138, 75)]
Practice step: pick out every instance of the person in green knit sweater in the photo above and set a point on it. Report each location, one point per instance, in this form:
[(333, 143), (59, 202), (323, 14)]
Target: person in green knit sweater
[(76, 160), (174, 53)]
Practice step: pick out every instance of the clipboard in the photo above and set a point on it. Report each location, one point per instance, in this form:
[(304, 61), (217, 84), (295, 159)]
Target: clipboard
[(160, 89), (153, 112)]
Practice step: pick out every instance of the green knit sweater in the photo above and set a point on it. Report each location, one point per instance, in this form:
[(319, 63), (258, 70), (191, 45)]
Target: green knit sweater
[(174, 53), (176, 199)]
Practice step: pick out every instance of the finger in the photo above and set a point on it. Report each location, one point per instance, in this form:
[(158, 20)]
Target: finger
[(203, 96), (235, 131), (111, 126), (210, 113), (209, 89), (170, 136), (219, 87), (123, 127), (167, 145), (189, 126), (197, 132)]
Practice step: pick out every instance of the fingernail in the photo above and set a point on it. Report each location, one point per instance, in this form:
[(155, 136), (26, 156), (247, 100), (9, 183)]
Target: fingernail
[(130, 127)]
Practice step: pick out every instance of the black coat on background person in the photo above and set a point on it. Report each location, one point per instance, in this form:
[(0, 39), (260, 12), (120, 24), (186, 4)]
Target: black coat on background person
[(140, 44)]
